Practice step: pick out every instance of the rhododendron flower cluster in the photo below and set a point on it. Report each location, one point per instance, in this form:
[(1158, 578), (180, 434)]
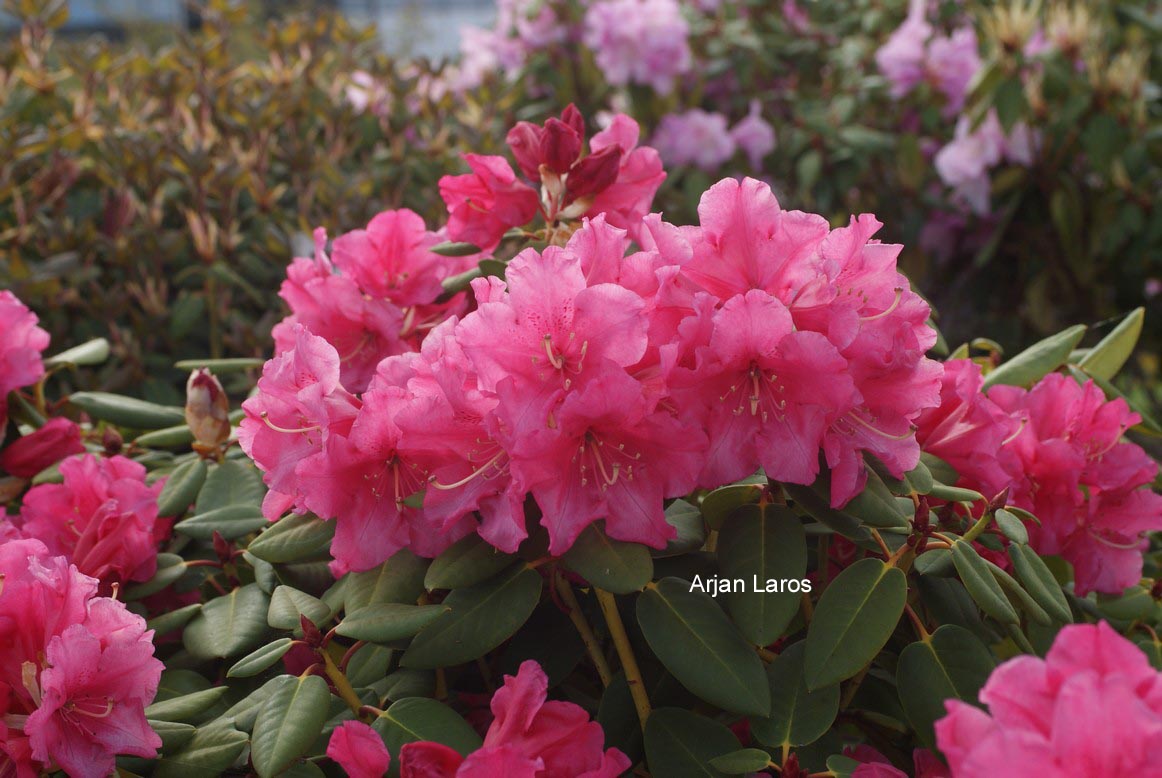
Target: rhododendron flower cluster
[(529, 737), (374, 299), (914, 54), (1058, 449), (102, 518), (1091, 708), (76, 670), (21, 345), (603, 383), (639, 42), (616, 178)]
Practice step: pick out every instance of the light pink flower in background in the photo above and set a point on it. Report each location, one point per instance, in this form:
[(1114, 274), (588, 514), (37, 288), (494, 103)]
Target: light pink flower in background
[(754, 135), (695, 138), (639, 42), (1091, 708)]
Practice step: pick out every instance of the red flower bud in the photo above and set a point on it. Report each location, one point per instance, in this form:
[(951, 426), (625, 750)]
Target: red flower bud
[(27, 456), (560, 146), (525, 141), (596, 173)]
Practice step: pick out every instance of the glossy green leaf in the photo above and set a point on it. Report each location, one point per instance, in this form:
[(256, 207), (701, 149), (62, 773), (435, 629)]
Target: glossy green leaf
[(699, 645), (1038, 580), (876, 506), (953, 664), (979, 581), (941, 471), (221, 366), (757, 544), (229, 521), (853, 620), (799, 716), (288, 723), (127, 411), (1011, 526), (181, 487), (230, 483), (1017, 594), (187, 708), (842, 766), (741, 762), (419, 718), (207, 754), (260, 659), (169, 621), (294, 537), (170, 568), (934, 561), (288, 604), (467, 562), (815, 502), (1106, 358), (954, 493), (399, 579), (691, 527), (229, 625), (1037, 361), (173, 735), (682, 744), (613, 565), (389, 621), (724, 500), (177, 436), (455, 249), (920, 479), (92, 352), (478, 620)]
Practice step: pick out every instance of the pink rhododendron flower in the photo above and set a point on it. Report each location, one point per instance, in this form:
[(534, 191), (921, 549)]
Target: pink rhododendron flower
[(627, 201), (29, 454), (1091, 708), (639, 42), (485, 203), (390, 259), (901, 58), (21, 344), (102, 518), (695, 137), (1081, 481), (77, 670), (359, 750), (968, 430), (300, 403), (754, 135)]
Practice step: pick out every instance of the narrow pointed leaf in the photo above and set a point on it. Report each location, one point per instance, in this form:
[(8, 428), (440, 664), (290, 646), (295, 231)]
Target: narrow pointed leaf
[(979, 581), (261, 659), (742, 762), (188, 707), (127, 411), (293, 538), (207, 754), (181, 488), (1040, 583), (1037, 361), (93, 352), (1106, 358), (387, 622), (478, 620)]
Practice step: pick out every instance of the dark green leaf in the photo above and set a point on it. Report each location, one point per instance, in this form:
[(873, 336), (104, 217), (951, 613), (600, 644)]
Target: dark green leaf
[(173, 735), (798, 716), (681, 744), (230, 521), (389, 621), (261, 659), (127, 411), (232, 365), (479, 619), (419, 718), (761, 543), (1037, 361), (294, 537), (288, 723), (953, 664), (170, 567), (181, 487), (399, 579), (981, 584), (721, 502), (207, 754), (452, 249), (230, 483), (699, 645), (1013, 527), (612, 565), (467, 562), (287, 604), (853, 620), (229, 625), (691, 527), (188, 707), (741, 762)]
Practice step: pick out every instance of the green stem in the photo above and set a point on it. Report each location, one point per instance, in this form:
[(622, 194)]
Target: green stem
[(342, 685), (975, 530), (633, 674)]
